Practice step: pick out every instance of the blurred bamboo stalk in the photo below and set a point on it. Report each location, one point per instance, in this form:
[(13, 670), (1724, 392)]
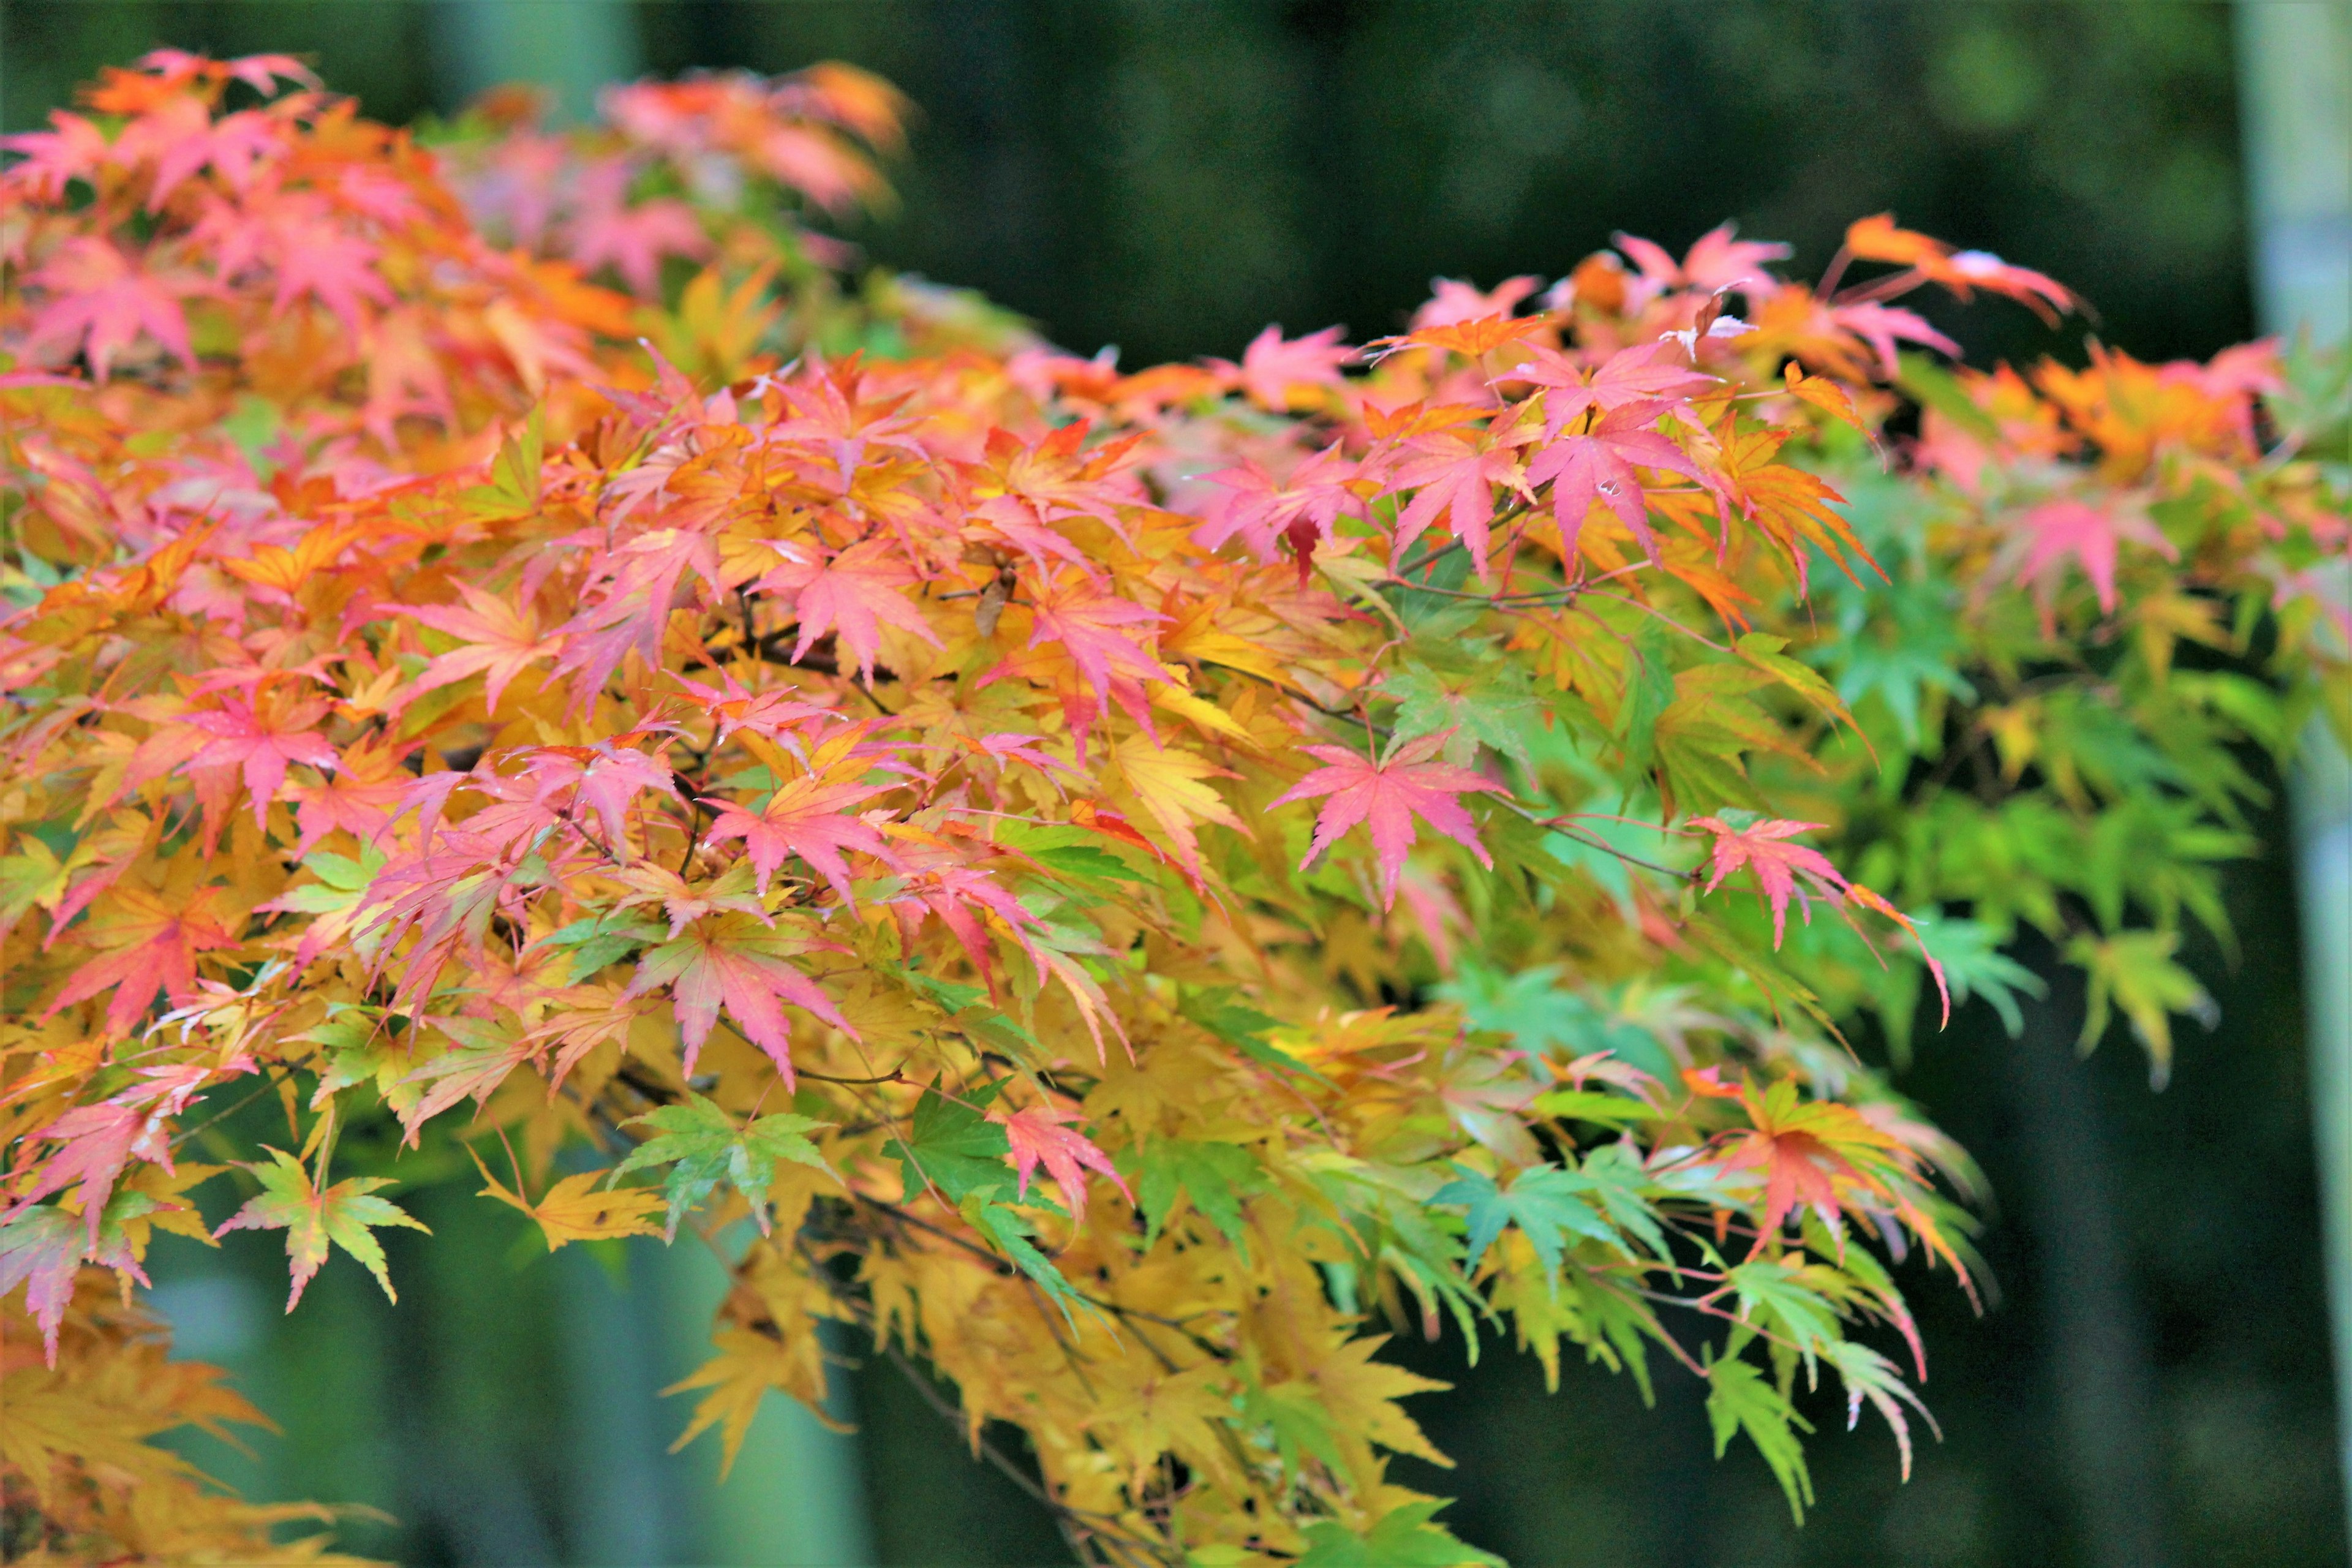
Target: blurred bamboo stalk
[(2294, 73), (570, 47)]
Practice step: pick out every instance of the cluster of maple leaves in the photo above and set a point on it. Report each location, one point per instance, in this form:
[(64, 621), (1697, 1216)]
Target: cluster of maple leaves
[(1111, 884)]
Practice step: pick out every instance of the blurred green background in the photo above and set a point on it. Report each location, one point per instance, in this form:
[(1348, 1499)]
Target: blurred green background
[(2152, 1382)]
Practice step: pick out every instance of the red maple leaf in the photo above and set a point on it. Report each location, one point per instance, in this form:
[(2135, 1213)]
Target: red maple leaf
[(1805, 1148), (1386, 796), (502, 639), (1037, 1137), (1599, 464), (1777, 865), (852, 594), (152, 943), (734, 961), (807, 817)]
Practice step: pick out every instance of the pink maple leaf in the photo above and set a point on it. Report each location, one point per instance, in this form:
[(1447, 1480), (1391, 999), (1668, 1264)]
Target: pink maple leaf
[(1386, 796), (1599, 464), (1087, 623), (503, 639), (852, 593), (1452, 301), (1716, 260), (1037, 1137), (605, 779), (606, 230), (2057, 529), (1272, 369), (732, 962), (261, 747), (808, 818), (1883, 326), (1760, 847), (1637, 374), (72, 150), (1454, 477), (1304, 508), (98, 302), (766, 714)]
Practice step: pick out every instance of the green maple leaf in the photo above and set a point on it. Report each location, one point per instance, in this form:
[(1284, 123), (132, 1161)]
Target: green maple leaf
[(1545, 1202), (951, 1146), (1740, 1398), (703, 1146), (1239, 1025), (2133, 971), (1472, 701), (1215, 1176), (1974, 966), (341, 1215), (1404, 1537)]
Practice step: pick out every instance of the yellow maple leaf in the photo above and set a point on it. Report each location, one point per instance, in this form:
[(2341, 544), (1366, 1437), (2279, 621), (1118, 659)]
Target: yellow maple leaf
[(1170, 785), (573, 1210)]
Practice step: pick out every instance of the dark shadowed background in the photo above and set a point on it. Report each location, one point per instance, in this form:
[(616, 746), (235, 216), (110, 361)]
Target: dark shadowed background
[(2151, 1384)]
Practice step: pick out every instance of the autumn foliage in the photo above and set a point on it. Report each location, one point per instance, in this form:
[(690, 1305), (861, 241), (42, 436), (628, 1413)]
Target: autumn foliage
[(1123, 887)]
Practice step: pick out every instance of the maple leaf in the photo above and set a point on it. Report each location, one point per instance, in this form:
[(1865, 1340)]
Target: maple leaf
[(1456, 478), (735, 961), (1716, 260), (1304, 508), (150, 943), (99, 303), (1386, 796), (807, 817), (1598, 465), (1037, 1135), (607, 229), (1805, 1149), (1546, 1202), (1087, 622), (1884, 326), (1641, 374), (41, 1248), (310, 1218), (703, 1145), (2055, 530), (95, 1142), (1173, 786), (575, 1210), (605, 778), (502, 637), (1470, 338), (1762, 848), (261, 746), (1452, 301), (1274, 373), (853, 593), (738, 708)]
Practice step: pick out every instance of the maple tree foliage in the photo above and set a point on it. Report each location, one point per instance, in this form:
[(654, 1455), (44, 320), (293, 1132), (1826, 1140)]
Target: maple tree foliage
[(504, 643)]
